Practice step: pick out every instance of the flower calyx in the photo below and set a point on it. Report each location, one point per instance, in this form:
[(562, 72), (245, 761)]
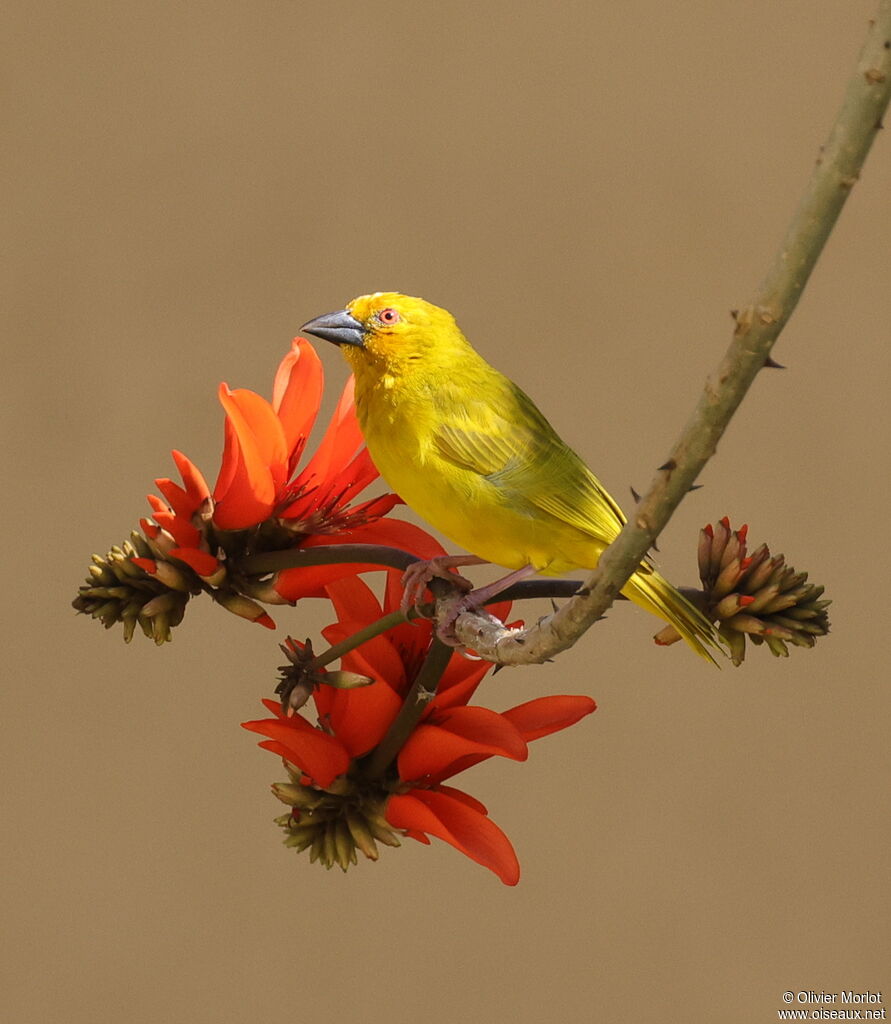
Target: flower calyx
[(128, 585), (301, 676), (337, 823)]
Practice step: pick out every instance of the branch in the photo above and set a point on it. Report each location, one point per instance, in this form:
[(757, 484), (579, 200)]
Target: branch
[(757, 328)]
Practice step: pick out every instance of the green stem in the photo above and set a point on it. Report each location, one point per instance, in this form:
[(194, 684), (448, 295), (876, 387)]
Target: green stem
[(419, 696), (329, 554), (370, 631)]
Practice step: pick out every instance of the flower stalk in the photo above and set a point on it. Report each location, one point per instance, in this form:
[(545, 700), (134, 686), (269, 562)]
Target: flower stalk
[(423, 690)]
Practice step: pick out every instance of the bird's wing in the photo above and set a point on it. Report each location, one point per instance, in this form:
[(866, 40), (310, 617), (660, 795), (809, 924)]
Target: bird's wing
[(506, 440)]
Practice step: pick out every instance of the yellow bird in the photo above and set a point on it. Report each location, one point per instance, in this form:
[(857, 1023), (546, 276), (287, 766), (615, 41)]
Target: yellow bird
[(469, 451)]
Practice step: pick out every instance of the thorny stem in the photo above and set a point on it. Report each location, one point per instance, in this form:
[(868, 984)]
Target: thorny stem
[(423, 690), (757, 328)]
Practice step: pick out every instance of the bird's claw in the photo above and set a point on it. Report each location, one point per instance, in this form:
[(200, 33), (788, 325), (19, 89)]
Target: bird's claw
[(419, 574), (445, 626)]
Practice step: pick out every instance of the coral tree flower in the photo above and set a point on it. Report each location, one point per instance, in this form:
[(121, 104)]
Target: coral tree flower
[(342, 800), (260, 488), (263, 501)]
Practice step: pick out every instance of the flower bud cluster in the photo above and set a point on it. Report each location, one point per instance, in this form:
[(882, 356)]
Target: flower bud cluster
[(334, 824), (757, 596), (141, 583), (118, 589)]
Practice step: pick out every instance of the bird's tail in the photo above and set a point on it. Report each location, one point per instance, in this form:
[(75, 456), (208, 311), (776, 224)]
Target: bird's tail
[(655, 594)]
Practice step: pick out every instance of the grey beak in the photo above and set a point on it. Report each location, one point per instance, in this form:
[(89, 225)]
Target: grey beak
[(339, 328)]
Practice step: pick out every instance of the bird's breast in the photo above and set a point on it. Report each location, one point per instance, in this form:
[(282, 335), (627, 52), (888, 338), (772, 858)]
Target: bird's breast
[(465, 506)]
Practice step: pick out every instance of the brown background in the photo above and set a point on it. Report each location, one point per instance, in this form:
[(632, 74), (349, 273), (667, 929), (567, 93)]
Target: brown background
[(590, 187)]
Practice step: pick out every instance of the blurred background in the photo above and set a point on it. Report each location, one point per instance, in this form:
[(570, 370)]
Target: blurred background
[(590, 187)]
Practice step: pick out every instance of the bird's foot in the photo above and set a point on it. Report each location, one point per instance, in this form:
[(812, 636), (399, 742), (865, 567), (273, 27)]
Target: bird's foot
[(474, 601), (419, 574), (445, 625)]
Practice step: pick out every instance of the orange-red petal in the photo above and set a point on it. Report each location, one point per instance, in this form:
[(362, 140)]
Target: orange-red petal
[(193, 479), (457, 733), (297, 393), (254, 461), (156, 504), (341, 441), (321, 756), (541, 717), (177, 497), (249, 496), (202, 563), (360, 717), (183, 532), (258, 429), (376, 657), (354, 600), (459, 682), (392, 533), (293, 584), (452, 820), (465, 798)]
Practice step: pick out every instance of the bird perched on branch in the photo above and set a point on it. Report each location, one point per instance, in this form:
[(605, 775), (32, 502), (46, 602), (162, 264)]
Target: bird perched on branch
[(470, 453)]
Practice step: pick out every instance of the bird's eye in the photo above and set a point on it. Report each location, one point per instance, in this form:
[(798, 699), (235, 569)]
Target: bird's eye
[(389, 316)]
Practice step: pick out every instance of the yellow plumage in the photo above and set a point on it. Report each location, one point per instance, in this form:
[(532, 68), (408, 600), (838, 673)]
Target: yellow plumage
[(470, 452)]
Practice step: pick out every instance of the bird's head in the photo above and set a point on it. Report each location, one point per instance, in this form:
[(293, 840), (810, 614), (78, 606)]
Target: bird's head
[(391, 333)]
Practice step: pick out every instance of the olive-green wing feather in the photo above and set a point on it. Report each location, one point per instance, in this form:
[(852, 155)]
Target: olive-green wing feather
[(503, 437)]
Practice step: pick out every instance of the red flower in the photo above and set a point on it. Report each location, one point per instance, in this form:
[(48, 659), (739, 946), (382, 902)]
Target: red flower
[(263, 501), (450, 737)]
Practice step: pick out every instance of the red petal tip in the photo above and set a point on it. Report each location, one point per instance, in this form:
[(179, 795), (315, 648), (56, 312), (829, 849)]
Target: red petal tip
[(150, 529), (147, 564), (265, 620)]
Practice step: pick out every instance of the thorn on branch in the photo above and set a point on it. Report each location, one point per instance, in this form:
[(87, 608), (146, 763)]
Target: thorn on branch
[(669, 466), (743, 320), (772, 364)]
